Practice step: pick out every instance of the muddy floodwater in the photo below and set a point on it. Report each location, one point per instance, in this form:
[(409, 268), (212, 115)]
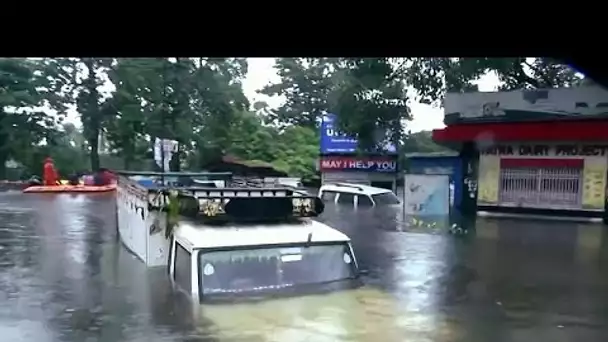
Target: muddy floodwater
[(65, 277)]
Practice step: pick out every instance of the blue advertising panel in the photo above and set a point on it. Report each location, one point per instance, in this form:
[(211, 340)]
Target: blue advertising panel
[(445, 165), (426, 195), (333, 141)]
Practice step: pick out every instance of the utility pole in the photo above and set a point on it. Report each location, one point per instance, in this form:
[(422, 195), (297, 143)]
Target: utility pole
[(162, 123)]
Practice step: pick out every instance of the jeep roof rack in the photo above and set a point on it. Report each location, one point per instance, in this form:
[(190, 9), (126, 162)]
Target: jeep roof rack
[(241, 200), (346, 185), (245, 204), (207, 175), (262, 204)]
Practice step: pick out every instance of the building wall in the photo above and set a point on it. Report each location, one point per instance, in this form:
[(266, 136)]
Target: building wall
[(521, 105), (566, 168)]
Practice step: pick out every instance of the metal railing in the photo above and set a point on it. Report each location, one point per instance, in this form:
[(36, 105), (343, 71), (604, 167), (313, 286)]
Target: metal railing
[(544, 187)]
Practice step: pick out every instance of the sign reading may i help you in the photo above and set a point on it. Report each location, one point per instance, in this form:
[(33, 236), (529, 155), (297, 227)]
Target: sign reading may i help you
[(358, 164)]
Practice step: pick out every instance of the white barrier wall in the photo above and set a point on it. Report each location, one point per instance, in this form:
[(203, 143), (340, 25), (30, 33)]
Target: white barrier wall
[(157, 253), (131, 226), (141, 231)]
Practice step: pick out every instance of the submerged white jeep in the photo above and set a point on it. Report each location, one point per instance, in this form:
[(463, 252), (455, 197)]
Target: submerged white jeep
[(252, 242)]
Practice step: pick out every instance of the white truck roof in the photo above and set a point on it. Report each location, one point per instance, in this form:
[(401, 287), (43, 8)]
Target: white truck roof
[(193, 235), (353, 188)]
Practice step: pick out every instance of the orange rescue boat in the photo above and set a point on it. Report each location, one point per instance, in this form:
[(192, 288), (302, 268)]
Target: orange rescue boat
[(69, 188)]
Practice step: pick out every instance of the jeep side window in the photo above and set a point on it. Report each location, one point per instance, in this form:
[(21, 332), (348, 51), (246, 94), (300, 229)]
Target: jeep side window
[(346, 198), (364, 201), (328, 196), (183, 272)]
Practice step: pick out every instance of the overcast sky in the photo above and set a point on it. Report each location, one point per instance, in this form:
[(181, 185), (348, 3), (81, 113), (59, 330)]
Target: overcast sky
[(261, 72)]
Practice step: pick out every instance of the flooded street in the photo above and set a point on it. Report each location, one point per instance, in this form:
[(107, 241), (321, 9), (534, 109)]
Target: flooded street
[(65, 277)]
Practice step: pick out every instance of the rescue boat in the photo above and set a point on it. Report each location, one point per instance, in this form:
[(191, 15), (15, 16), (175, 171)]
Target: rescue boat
[(69, 188)]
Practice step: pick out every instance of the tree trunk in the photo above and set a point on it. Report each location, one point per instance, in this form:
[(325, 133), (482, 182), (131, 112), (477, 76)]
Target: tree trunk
[(174, 164), (3, 159), (128, 155), (91, 114), (126, 162), (94, 143), (4, 139)]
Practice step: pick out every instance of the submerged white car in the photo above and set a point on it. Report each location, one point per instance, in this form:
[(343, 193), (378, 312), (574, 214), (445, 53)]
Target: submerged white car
[(357, 195)]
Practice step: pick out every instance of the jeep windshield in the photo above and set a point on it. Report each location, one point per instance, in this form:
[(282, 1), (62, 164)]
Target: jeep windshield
[(387, 198), (269, 269)]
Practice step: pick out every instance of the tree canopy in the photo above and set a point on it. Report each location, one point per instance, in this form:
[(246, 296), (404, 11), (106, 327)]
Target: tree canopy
[(125, 103)]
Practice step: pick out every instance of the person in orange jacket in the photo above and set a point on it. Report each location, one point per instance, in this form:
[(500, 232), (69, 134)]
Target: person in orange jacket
[(49, 173)]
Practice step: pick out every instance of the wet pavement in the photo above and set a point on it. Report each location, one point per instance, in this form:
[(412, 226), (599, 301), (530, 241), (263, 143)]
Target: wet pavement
[(64, 277)]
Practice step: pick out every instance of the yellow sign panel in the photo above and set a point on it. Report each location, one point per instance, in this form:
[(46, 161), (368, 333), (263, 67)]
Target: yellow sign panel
[(594, 184), (489, 177)]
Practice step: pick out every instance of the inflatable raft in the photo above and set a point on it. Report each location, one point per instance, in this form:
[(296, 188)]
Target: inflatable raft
[(69, 188)]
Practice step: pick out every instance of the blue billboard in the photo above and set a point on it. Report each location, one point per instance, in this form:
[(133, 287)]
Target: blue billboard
[(332, 141)]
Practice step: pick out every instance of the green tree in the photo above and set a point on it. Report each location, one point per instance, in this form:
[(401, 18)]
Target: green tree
[(421, 142), (298, 152), (24, 89), (370, 101), (292, 149), (369, 94), (125, 114), (193, 101), (200, 103), (68, 149), (218, 99), (432, 77), (364, 93), (306, 84), (89, 101), (76, 81), (63, 143), (251, 140)]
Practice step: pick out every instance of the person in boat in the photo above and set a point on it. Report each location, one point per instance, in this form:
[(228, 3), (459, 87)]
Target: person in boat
[(50, 176), (103, 177), (74, 179), (34, 181), (88, 179)]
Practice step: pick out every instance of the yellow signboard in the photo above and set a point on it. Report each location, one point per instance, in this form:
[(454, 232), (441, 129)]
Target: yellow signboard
[(489, 177), (594, 184)]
